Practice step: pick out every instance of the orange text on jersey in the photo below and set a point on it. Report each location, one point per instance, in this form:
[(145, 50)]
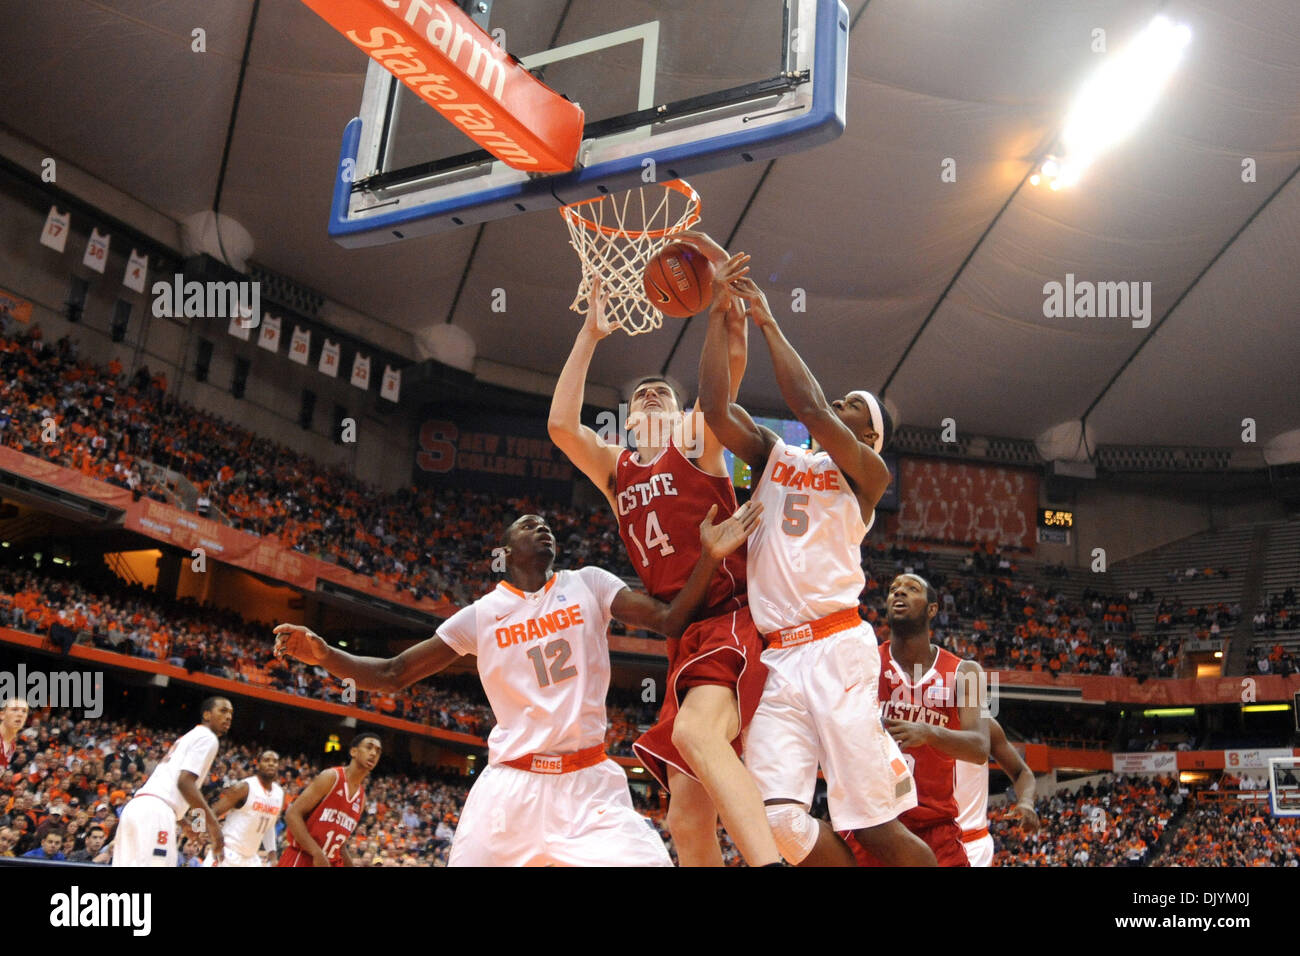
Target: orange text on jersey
[(536, 627), (791, 477)]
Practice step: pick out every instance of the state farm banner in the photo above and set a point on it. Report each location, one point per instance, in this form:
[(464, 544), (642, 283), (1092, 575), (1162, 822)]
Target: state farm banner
[(447, 60), (1163, 762), (952, 503), (1256, 759), (470, 448)]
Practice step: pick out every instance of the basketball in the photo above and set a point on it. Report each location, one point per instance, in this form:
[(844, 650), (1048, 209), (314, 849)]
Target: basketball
[(679, 281)]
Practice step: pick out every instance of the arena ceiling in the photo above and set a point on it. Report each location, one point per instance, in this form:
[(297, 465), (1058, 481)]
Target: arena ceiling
[(933, 289)]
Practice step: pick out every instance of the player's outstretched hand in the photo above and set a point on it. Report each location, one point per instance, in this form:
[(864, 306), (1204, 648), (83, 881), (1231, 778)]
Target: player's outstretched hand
[(598, 325), (705, 243), (719, 540), (909, 733), (759, 310), (1026, 816), (723, 278), (294, 640)]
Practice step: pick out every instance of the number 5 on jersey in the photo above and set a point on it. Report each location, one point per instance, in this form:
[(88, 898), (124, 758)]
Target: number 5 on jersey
[(654, 538)]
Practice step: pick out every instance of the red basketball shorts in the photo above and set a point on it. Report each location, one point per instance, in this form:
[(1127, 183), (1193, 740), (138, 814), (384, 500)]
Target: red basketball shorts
[(722, 650), (943, 837)]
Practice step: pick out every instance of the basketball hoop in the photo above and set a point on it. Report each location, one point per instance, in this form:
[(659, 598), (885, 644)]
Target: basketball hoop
[(616, 236)]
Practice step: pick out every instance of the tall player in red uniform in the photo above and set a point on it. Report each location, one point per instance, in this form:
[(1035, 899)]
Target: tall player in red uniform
[(323, 817), (930, 703), (659, 494)]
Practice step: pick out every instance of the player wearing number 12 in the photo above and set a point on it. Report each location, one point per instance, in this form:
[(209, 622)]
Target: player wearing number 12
[(323, 817), (549, 795)]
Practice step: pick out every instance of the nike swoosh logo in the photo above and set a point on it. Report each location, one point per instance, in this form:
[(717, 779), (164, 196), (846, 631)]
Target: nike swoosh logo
[(502, 617), (851, 686), (664, 297)]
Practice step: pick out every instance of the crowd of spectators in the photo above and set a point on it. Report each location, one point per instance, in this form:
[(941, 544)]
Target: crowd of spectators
[(1115, 823), (992, 612), (431, 543), (437, 543), (1233, 833), (69, 780), (130, 619)]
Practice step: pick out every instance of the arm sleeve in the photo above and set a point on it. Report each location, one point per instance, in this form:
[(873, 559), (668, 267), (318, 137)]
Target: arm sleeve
[(603, 585), (458, 632)]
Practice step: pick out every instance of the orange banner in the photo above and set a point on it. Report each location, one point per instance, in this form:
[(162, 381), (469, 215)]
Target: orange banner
[(447, 61), (14, 306)]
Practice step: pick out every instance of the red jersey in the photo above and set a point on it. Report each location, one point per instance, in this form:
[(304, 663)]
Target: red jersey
[(660, 507), (332, 822), (932, 700)]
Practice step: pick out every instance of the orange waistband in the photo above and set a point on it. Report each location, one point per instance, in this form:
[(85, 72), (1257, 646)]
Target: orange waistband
[(970, 836), (814, 630), (558, 763)]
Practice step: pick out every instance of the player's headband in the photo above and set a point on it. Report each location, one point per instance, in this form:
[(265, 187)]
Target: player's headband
[(877, 419)]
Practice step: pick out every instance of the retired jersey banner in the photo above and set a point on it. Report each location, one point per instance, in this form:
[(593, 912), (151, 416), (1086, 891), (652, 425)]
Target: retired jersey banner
[(507, 454), (96, 256), (329, 359), (269, 336), (391, 385), (361, 371), (299, 345), (55, 233), (946, 502), (137, 271)]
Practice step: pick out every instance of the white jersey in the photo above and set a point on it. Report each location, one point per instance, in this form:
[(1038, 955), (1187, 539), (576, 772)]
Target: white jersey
[(253, 825), (193, 752), (805, 559), (971, 788), (543, 659)]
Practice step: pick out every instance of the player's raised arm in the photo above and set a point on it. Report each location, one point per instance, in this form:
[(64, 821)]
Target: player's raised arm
[(296, 816), (971, 743), (591, 455), (727, 420), (1022, 777), (370, 673), (864, 469), (637, 609)]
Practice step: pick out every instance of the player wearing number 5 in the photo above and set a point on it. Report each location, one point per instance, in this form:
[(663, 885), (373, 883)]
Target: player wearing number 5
[(549, 794), (323, 817), (819, 705)]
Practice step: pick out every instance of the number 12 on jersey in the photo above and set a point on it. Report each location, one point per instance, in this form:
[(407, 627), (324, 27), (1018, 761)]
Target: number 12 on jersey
[(654, 538)]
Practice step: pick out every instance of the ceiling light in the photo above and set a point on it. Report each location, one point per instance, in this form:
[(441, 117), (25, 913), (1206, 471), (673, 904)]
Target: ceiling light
[(1120, 94)]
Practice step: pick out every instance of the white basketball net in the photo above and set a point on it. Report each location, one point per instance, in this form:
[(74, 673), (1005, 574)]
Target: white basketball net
[(615, 236)]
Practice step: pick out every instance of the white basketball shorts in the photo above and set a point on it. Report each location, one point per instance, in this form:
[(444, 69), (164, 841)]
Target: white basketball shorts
[(821, 705), (146, 833), (584, 818), (980, 852)]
